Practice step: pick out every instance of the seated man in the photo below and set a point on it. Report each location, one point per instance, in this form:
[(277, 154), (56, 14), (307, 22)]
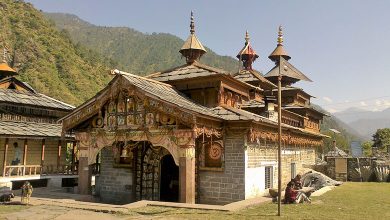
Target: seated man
[(297, 182), (294, 196)]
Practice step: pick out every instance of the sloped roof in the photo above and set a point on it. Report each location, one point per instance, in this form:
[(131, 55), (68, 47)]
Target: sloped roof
[(20, 128), (290, 71), (167, 93), (192, 43), (252, 76), (187, 71), (6, 70), (279, 51), (34, 99), (154, 89)]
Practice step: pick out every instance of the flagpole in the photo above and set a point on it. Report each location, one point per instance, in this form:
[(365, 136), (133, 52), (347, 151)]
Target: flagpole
[(279, 139)]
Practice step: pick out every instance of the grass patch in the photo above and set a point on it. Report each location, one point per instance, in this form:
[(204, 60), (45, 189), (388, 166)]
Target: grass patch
[(8, 208), (349, 201)]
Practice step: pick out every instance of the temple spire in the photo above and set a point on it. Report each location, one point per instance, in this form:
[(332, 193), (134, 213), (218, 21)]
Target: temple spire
[(192, 49), (247, 54), (279, 50), (5, 70)]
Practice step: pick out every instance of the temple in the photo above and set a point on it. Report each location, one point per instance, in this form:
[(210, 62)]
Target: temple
[(31, 140), (195, 133)]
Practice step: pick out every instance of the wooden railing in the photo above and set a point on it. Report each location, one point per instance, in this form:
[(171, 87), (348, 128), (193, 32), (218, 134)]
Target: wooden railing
[(29, 170)]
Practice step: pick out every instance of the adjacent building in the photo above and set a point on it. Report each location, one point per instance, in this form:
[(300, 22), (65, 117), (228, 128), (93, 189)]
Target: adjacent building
[(31, 143)]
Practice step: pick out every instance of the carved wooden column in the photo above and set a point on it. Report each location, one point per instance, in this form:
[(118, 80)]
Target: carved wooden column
[(43, 155), (187, 174), (5, 156)]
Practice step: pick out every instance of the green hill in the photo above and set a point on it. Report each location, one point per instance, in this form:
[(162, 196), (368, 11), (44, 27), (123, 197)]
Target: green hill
[(134, 51), (46, 58), (346, 136)]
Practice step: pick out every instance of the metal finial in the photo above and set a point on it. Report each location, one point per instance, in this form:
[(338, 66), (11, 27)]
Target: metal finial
[(280, 35), (247, 37), (192, 25), (4, 55)]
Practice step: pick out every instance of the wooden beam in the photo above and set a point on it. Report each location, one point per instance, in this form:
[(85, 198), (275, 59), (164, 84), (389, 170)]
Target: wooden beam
[(25, 156), (5, 155), (59, 155)]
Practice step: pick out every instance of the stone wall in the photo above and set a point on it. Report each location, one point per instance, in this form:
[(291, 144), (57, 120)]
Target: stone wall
[(227, 185), (33, 151), (114, 185), (261, 156)]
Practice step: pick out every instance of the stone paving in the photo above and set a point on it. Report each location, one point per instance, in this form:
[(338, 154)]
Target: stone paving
[(46, 197)]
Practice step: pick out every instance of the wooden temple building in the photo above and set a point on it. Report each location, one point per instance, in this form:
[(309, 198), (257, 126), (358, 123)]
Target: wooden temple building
[(195, 133), (31, 145)]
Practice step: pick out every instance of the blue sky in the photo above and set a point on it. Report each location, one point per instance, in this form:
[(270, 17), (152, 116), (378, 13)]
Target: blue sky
[(343, 46)]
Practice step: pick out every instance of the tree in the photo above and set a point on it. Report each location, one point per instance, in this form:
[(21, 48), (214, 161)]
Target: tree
[(367, 148), (381, 138)]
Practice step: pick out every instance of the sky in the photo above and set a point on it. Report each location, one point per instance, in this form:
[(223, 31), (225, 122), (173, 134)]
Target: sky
[(343, 46)]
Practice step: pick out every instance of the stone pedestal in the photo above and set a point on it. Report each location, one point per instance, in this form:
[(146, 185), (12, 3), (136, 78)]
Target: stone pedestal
[(85, 176)]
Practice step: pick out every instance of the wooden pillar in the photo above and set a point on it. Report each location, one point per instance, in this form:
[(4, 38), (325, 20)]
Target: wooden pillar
[(85, 176), (73, 156), (59, 156), (25, 156), (187, 176), (5, 156), (43, 155)]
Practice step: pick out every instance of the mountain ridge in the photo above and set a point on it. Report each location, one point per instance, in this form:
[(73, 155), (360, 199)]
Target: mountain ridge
[(134, 51)]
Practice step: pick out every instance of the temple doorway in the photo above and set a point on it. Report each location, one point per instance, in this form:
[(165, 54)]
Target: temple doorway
[(156, 174), (169, 184)]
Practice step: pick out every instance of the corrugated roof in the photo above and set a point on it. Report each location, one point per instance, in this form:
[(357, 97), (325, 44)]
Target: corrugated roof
[(20, 128), (29, 98)]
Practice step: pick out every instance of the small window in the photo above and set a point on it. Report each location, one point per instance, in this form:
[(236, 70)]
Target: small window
[(293, 170), (269, 177)]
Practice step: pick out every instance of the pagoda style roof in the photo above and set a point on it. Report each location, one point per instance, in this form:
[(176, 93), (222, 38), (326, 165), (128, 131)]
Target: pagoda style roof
[(187, 71), (29, 129), (292, 88), (233, 114), (150, 88), (253, 76), (6, 70), (33, 99), (192, 43), (306, 108), (167, 93), (287, 70)]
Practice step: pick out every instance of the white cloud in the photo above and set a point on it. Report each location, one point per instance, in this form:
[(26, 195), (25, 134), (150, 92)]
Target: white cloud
[(363, 103), (378, 102), (332, 110), (327, 99)]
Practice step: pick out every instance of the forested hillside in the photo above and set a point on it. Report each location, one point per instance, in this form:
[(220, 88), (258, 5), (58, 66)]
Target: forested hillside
[(134, 51), (46, 58)]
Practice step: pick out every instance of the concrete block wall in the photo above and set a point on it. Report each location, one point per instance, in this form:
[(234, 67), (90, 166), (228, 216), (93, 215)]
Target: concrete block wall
[(223, 187), (115, 185), (258, 157)]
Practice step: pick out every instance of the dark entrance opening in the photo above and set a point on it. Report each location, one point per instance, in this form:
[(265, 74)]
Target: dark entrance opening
[(169, 184)]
